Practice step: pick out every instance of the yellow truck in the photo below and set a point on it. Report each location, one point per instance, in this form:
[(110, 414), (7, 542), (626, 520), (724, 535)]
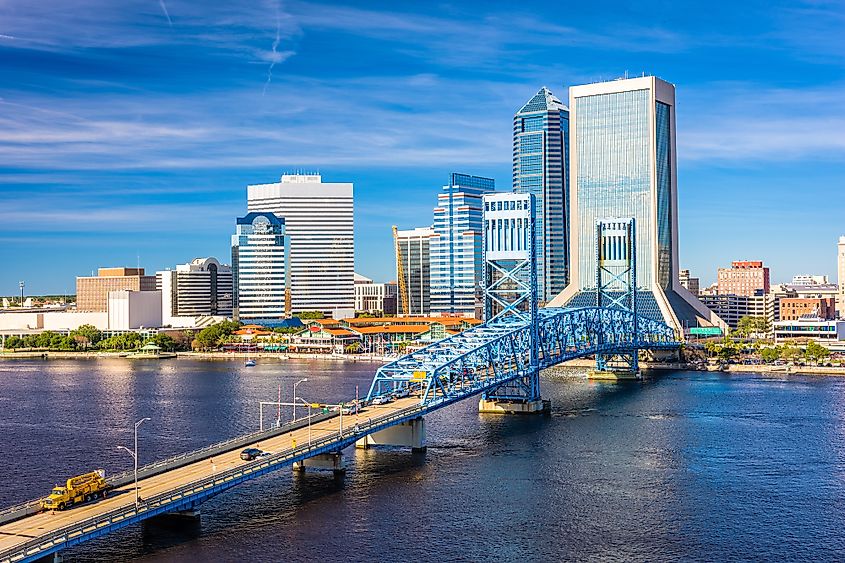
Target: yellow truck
[(82, 488)]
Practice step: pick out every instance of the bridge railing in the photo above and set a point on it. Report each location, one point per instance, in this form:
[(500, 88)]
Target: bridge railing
[(200, 489), (33, 506)]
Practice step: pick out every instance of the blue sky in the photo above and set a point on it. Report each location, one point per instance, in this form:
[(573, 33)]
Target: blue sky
[(129, 130)]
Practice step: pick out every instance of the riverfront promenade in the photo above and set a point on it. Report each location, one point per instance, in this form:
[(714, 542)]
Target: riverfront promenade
[(17, 533)]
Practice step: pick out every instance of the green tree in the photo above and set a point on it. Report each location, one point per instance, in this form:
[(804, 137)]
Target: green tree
[(789, 353), (750, 325), (816, 351), (14, 342), (311, 315), (769, 355), (163, 341), (86, 335)]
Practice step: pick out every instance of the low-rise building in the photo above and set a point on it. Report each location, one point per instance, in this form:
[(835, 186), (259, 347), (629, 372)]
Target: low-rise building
[(92, 293), (821, 330), (731, 308), (370, 296), (693, 285), (793, 308), (744, 277), (808, 279), (200, 288), (131, 310)]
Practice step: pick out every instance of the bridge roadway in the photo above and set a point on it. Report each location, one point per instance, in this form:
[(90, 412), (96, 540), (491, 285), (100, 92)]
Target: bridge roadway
[(22, 536)]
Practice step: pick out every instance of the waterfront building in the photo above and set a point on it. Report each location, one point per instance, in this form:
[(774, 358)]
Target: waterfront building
[(541, 168), (261, 268), (826, 332), (794, 308), (690, 283), (840, 273), (731, 308), (318, 219), (807, 279), (623, 165), (744, 277), (455, 246), (200, 288), (413, 245), (92, 293), (132, 310), (370, 297)]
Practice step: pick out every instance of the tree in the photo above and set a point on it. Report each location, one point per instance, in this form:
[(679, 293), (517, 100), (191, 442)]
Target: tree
[(14, 342), (163, 341), (86, 335), (213, 336), (750, 325), (816, 351), (769, 355), (311, 315), (789, 353)]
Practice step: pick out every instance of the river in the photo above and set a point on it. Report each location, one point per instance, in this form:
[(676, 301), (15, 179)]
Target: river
[(683, 466)]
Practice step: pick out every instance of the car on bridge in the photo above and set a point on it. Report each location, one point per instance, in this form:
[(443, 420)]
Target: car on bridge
[(250, 454), (382, 400)]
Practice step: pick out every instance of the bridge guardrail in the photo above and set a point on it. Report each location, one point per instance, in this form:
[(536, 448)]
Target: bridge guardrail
[(223, 479), (33, 506)]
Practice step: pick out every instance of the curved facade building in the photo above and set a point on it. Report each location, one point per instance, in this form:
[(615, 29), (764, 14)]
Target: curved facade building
[(623, 165)]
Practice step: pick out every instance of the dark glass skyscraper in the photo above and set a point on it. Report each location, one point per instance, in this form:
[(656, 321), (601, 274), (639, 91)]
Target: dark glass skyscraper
[(541, 168)]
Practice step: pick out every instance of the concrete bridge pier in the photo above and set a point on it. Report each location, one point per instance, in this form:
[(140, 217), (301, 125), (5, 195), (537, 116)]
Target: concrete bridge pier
[(410, 434), (493, 405), (55, 557), (329, 461)]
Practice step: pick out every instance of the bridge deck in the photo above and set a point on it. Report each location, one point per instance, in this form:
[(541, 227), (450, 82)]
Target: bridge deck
[(19, 532)]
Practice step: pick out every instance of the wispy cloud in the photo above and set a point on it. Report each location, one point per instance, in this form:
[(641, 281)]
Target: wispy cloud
[(166, 14), (750, 123)]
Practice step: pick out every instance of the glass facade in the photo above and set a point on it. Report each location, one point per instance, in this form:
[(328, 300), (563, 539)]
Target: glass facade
[(541, 168), (456, 257), (614, 175), (664, 195)]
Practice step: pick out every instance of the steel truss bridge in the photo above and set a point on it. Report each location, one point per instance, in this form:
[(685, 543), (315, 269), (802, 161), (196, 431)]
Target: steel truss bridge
[(500, 359)]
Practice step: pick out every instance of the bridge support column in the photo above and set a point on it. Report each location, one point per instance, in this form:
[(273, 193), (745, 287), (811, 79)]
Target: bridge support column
[(331, 461), (55, 557), (409, 434), (493, 405)]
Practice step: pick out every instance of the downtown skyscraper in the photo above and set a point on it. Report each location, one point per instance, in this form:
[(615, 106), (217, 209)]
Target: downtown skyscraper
[(624, 166), (318, 218), (456, 246), (541, 168)]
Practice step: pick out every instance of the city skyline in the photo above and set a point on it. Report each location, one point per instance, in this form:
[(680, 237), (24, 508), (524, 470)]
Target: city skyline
[(105, 148)]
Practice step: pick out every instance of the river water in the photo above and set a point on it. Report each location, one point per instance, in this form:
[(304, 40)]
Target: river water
[(684, 466)]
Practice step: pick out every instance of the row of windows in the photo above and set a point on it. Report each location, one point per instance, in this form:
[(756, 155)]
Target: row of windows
[(506, 205)]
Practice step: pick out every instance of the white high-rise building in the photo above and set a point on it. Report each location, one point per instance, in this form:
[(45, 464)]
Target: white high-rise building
[(623, 164), (414, 247), (260, 251), (201, 288), (318, 219), (840, 273)]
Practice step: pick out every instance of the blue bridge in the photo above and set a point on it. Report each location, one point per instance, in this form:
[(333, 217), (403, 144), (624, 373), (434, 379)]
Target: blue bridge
[(499, 360)]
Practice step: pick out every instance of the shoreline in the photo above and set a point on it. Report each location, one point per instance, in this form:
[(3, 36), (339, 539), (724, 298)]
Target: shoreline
[(763, 369)]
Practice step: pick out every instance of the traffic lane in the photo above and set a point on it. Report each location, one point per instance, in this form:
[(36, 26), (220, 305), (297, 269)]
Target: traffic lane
[(21, 531)]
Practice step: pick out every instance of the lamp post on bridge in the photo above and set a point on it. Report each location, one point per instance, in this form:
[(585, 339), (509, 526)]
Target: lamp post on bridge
[(134, 455), (303, 380)]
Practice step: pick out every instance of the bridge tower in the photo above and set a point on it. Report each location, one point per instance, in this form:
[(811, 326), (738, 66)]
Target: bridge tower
[(616, 288), (510, 294)]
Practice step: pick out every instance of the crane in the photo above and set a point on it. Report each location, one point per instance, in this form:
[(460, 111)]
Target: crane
[(400, 272)]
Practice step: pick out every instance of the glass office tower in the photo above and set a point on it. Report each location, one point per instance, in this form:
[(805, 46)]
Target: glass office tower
[(541, 168), (456, 268), (624, 166)]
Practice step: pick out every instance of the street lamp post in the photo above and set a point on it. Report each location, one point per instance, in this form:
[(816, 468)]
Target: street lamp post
[(303, 380), (309, 416), (135, 456)]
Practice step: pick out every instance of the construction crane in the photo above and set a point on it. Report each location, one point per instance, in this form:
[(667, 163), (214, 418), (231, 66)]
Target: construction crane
[(400, 273)]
